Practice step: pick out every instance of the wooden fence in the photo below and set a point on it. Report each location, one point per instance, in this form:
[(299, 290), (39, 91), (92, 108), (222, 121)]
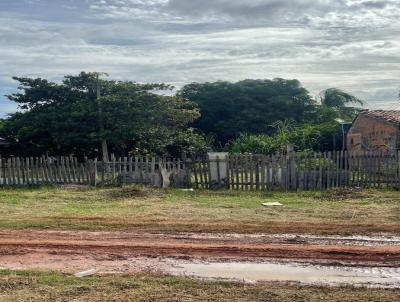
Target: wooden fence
[(157, 172), (298, 171), (45, 170), (295, 171)]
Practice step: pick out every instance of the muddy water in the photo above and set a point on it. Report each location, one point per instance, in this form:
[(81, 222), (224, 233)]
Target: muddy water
[(292, 272)]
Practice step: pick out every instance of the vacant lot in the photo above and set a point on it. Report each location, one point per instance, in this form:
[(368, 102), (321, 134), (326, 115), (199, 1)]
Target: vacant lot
[(126, 216), (137, 209), (35, 286)]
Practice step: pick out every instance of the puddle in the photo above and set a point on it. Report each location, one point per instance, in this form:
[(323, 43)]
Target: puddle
[(293, 272)]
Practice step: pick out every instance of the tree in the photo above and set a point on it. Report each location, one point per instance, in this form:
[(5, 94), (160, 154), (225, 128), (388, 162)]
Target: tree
[(342, 102), (317, 137), (63, 118), (228, 109)]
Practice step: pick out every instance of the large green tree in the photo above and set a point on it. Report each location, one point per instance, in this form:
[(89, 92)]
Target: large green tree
[(62, 118), (251, 106)]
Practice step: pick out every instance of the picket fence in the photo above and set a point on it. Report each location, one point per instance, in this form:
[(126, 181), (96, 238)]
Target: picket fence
[(69, 170), (294, 171), (45, 170), (299, 171)]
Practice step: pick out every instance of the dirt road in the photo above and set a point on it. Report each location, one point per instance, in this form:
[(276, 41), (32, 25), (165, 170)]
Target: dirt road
[(19, 247)]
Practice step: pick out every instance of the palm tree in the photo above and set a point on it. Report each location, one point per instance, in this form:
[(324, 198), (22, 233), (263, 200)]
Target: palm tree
[(343, 102)]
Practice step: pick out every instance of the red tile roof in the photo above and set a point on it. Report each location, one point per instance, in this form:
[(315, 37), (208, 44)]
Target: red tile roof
[(392, 116)]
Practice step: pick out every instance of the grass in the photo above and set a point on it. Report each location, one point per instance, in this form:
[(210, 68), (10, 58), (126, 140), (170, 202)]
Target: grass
[(51, 286), (150, 210)]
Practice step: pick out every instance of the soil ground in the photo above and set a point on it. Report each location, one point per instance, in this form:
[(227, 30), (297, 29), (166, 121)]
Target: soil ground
[(132, 267), (49, 249), (139, 231)]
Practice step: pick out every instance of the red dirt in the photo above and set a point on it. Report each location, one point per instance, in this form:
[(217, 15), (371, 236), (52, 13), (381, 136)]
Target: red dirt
[(25, 248)]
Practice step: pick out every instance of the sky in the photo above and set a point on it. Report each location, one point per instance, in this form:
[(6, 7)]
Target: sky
[(353, 45)]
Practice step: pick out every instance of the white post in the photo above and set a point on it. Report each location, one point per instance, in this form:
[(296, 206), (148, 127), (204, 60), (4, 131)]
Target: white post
[(218, 169)]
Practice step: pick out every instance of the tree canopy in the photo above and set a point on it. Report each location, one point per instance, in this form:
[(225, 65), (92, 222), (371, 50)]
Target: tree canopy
[(71, 117), (251, 106), (302, 137), (62, 118), (342, 102)]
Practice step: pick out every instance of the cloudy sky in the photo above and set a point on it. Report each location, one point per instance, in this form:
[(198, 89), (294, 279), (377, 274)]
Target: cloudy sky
[(350, 44)]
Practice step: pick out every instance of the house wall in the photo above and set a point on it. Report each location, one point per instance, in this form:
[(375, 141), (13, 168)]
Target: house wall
[(372, 134)]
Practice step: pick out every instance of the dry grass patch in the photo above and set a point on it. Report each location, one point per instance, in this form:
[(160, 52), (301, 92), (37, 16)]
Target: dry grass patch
[(138, 209), (46, 287)]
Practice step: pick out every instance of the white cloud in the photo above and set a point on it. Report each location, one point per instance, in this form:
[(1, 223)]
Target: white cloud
[(349, 44)]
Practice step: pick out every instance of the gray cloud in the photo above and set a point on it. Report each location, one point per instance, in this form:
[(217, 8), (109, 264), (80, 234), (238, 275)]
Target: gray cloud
[(283, 10), (349, 44)]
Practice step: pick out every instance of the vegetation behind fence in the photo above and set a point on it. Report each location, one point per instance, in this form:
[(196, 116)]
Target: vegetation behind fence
[(295, 171)]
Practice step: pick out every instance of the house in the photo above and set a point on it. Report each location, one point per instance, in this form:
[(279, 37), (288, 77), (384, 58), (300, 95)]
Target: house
[(375, 130)]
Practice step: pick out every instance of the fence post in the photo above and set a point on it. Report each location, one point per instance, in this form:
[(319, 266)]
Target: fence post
[(218, 169), (187, 167), (165, 174), (91, 171)]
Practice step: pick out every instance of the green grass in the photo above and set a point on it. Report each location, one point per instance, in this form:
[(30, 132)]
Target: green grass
[(150, 210), (51, 286)]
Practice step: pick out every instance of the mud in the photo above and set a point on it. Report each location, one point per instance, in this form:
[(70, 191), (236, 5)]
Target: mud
[(200, 246), (387, 277), (232, 256)]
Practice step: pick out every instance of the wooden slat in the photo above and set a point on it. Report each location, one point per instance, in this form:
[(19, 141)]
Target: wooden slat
[(9, 172), (2, 176), (201, 164)]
